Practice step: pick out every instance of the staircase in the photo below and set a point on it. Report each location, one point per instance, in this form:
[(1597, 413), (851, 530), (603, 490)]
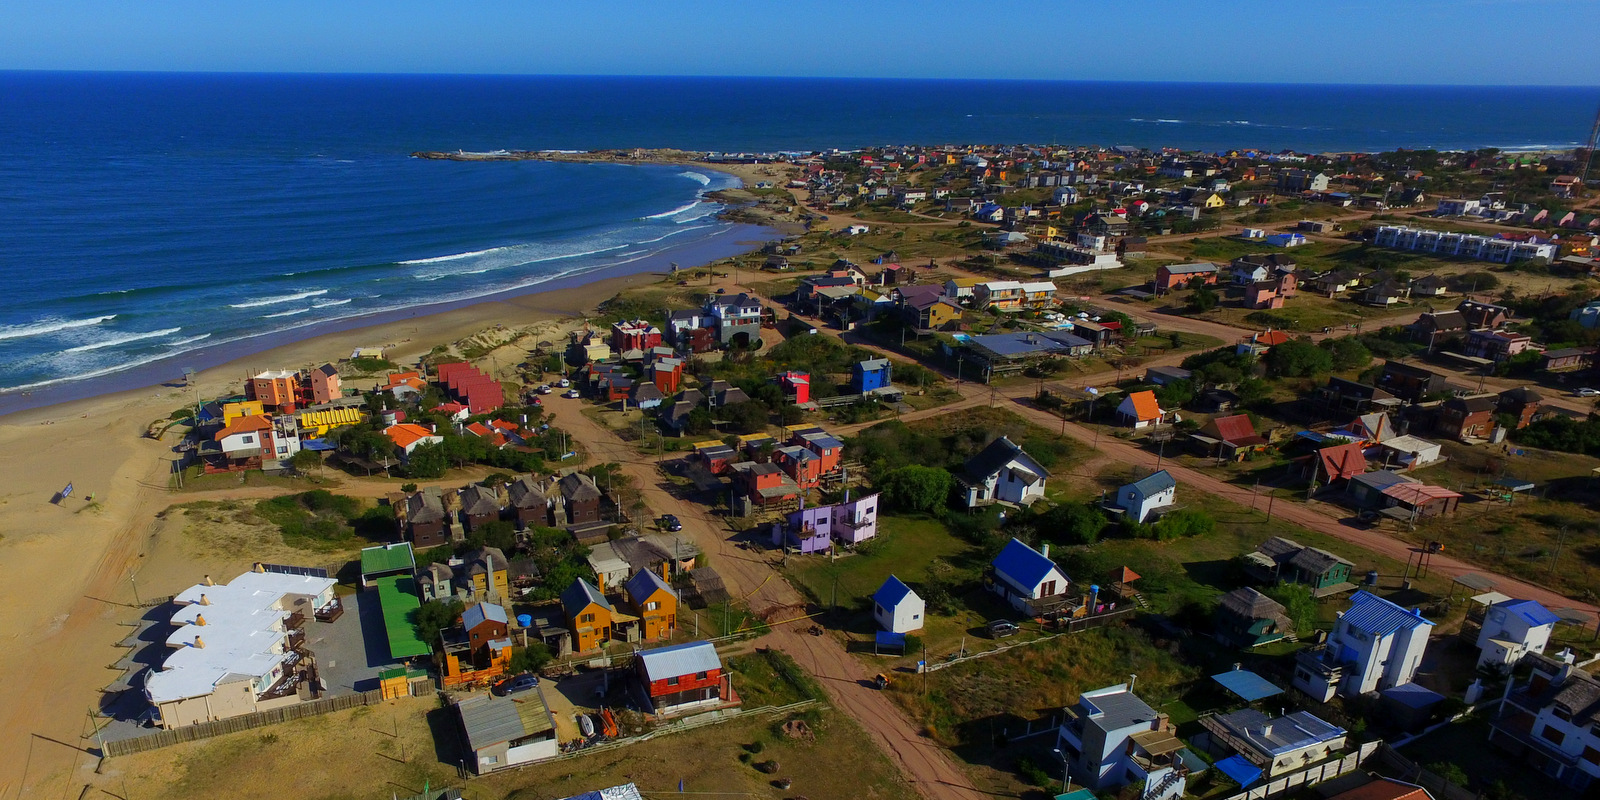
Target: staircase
[(1160, 789), (1138, 600)]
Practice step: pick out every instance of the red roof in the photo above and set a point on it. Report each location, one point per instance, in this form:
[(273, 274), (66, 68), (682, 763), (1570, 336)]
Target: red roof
[(1343, 462), (1384, 789), (1236, 430), (1145, 406), (406, 434), (1271, 338), (1417, 493), (251, 424)]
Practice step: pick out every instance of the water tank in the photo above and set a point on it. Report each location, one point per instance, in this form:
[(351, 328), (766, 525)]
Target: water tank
[(1372, 577), (524, 620)]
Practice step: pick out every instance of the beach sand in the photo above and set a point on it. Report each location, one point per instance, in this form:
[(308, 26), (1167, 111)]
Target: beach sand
[(67, 569)]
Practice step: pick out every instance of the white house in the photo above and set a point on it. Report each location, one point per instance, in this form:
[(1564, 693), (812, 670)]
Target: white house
[(1513, 629), (1023, 576), (1286, 744), (1553, 721), (1111, 739), (1410, 451), (1375, 645), (896, 608), (1286, 239), (1141, 499), (1003, 473), (1140, 409)]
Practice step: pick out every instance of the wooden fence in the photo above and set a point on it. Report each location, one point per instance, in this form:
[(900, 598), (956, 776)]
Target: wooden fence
[(206, 730), (1311, 775), (1412, 772)]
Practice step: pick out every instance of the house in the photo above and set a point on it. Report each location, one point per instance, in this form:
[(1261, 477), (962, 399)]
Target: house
[(1179, 276), (1521, 403), (1166, 376), (1299, 180), (1497, 346), (1002, 473), (1289, 743), (796, 387), (1143, 499), (1259, 343), (1001, 353), (385, 560), (589, 615), (737, 320), (667, 374), (484, 575), (654, 603), (1512, 629), (1334, 281), (634, 336), (480, 505), (930, 312), (1280, 560), (580, 497), (1110, 738), (1267, 294), (1375, 645), (1339, 463), (1140, 410), (896, 608), (276, 390), (1409, 452), (1386, 292), (1247, 618), (532, 501), (1231, 437), (232, 648), (960, 289), (1429, 286), (681, 677), (477, 389), (1434, 326), (761, 485), (245, 442), (478, 650), (1381, 788), (871, 375), (1027, 578), (505, 732), (1479, 315), (322, 385), (1569, 358), (647, 395), (1467, 418), (1349, 397), (407, 437), (1552, 722), (1410, 383), (425, 520), (1286, 239)]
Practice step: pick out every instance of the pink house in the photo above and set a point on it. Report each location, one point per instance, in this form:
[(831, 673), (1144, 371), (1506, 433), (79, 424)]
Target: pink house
[(812, 530)]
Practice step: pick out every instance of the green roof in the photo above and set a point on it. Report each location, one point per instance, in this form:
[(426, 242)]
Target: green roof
[(387, 558), (398, 596), (401, 672)]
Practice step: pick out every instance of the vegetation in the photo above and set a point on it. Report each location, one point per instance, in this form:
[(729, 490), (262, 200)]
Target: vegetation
[(916, 488), (320, 517)]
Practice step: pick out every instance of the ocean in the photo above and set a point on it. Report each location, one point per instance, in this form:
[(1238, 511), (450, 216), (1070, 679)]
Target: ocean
[(173, 219)]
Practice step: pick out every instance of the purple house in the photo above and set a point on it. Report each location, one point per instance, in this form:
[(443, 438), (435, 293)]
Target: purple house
[(813, 530)]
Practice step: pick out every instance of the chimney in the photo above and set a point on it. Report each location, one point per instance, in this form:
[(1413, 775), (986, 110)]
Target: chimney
[(666, 570), (1266, 729), (208, 581), (200, 643), (259, 567), (600, 581), (205, 601), (1045, 551), (200, 619)]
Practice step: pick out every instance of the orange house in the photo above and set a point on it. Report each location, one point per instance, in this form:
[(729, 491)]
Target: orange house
[(589, 615), (276, 389), (654, 602), (480, 650)]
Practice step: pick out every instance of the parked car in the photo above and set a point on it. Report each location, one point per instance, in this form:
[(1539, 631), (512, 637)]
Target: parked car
[(544, 388), (671, 523), (1588, 393), (1001, 628), (572, 394), (516, 683), (563, 383)]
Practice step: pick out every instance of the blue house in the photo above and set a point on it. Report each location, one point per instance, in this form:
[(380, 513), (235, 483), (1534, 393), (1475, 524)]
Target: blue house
[(870, 374), (1027, 578)]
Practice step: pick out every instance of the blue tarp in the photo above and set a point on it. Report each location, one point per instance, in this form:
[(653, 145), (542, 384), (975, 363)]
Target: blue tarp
[(1239, 770), (887, 639), (1076, 794), (1247, 684)]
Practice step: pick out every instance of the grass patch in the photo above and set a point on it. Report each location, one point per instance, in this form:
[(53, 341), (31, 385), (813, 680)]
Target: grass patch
[(320, 517), (770, 678)]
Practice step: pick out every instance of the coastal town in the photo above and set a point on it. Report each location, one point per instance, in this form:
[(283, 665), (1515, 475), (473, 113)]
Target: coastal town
[(1023, 471)]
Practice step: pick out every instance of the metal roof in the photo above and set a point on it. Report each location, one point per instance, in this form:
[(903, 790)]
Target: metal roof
[(1375, 615), (483, 612), (679, 659), (1530, 612), (1023, 564), (1155, 483), (397, 596), (645, 584), (1274, 737), (490, 720), (892, 592), (579, 595), (1115, 707), (1247, 684)]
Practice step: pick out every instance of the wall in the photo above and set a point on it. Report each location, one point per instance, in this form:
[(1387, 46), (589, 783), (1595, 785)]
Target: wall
[(206, 730)]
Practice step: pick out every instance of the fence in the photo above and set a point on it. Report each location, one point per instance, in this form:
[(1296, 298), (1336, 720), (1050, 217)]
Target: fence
[(1413, 772), (1311, 775), (1073, 626), (206, 730)]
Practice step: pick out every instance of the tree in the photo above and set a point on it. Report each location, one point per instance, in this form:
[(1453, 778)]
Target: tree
[(746, 417), (1298, 604), (1297, 358), (427, 461), (1203, 298), (435, 616), (917, 488), (1175, 394), (1183, 523), (1348, 353), (306, 460), (495, 533), (1080, 523), (530, 659)]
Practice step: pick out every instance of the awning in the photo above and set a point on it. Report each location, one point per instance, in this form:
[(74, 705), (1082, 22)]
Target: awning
[(1158, 743), (1419, 493), (1514, 484), (1489, 598), (1247, 684), (1239, 770), (889, 639)]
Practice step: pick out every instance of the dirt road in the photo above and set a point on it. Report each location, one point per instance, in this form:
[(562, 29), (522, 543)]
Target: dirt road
[(752, 578)]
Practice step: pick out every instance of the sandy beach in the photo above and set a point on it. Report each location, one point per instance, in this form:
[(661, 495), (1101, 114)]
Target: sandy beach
[(70, 570)]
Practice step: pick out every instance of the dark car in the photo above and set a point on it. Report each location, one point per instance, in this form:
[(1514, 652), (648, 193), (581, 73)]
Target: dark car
[(516, 683), (671, 523), (1001, 628)]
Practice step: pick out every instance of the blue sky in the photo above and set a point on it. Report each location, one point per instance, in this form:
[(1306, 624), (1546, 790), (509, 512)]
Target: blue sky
[(1502, 42)]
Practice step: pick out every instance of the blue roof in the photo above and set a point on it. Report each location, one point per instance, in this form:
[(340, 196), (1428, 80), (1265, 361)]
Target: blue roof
[(318, 445), (1247, 684), (646, 583), (1154, 483), (1023, 564), (1011, 344), (891, 592), (1241, 771), (475, 616), (1375, 615), (888, 639), (579, 595), (1530, 611)]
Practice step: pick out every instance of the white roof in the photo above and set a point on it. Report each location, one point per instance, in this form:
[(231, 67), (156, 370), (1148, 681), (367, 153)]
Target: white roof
[(1409, 444), (1038, 286), (995, 286), (603, 559), (233, 634)]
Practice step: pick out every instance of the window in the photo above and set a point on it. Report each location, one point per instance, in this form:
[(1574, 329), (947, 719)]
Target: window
[(1591, 755), (700, 676), (248, 439), (673, 681), (1562, 714), (586, 618), (1552, 735), (652, 605)]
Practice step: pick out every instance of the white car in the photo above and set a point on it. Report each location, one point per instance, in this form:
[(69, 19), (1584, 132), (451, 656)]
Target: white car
[(572, 394), (1588, 393), (544, 388), (563, 383)]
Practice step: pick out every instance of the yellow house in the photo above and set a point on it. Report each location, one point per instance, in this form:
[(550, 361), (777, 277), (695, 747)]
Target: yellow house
[(484, 568), (240, 410), (318, 423), (589, 615), (1209, 200), (655, 603)]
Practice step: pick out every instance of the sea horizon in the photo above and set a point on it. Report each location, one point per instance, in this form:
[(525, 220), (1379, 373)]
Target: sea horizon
[(156, 216)]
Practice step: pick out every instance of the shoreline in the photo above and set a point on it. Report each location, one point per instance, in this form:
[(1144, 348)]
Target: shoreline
[(570, 296)]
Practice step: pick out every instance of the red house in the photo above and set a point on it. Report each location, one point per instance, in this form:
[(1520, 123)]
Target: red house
[(827, 447), (796, 387), (760, 485), (683, 677), (667, 374), (636, 334), (474, 388)]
